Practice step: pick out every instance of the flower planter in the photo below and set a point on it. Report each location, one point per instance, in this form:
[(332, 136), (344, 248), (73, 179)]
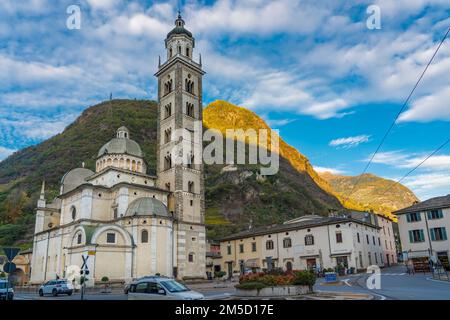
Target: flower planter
[(278, 291)]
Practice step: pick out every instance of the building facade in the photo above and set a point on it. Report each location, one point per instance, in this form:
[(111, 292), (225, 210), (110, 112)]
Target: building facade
[(423, 230), (129, 223), (308, 242)]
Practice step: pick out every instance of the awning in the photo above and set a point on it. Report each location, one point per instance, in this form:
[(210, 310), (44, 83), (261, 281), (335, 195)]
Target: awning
[(340, 254), (309, 256), (252, 263)]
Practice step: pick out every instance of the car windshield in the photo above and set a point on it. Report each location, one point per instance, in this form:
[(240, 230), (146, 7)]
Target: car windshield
[(174, 286), (2, 285)]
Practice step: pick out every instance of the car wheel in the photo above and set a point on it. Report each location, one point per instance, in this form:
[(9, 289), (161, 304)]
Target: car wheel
[(54, 292), (41, 293)]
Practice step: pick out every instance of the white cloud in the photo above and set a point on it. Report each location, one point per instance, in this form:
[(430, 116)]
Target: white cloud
[(400, 159), (103, 4), (431, 179), (428, 108), (349, 142), (330, 170), (5, 152), (273, 123), (429, 185)]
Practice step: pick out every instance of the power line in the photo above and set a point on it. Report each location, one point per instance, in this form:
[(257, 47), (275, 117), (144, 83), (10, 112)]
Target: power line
[(397, 116), (422, 162)]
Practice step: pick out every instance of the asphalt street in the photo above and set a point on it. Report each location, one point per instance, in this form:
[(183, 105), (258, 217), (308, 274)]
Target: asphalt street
[(395, 284)]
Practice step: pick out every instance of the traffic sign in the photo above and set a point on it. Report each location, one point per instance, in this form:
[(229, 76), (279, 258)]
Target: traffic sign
[(11, 252), (9, 267)]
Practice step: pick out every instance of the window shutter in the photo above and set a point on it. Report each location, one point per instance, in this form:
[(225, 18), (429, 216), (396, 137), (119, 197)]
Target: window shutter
[(422, 237), (408, 217), (444, 234), (440, 213), (432, 234), (429, 215), (411, 236)]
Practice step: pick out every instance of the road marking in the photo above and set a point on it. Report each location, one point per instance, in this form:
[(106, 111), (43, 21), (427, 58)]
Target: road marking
[(437, 280), (379, 295), (346, 281)]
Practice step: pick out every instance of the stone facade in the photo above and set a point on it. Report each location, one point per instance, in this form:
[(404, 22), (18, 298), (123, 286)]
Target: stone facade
[(129, 223)]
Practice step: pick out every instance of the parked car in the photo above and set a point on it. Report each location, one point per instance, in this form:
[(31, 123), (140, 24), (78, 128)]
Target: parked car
[(6, 290), (55, 287), (160, 288), (126, 288)]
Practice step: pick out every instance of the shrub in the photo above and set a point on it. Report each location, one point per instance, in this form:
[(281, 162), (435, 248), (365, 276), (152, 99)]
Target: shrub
[(105, 279), (255, 285), (304, 278), (219, 274)]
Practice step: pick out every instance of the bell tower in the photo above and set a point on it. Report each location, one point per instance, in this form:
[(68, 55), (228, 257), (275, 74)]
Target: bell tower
[(179, 145)]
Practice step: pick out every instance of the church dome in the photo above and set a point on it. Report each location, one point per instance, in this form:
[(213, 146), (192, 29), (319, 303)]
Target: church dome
[(122, 144), (74, 178), (179, 28), (147, 206)]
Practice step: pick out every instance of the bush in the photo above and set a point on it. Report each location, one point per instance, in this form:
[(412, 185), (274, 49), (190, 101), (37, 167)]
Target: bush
[(255, 285), (2, 275), (105, 279), (219, 274), (304, 278)]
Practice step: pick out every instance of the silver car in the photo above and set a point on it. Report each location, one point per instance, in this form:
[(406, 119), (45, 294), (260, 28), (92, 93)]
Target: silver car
[(160, 288), (55, 287), (6, 290)]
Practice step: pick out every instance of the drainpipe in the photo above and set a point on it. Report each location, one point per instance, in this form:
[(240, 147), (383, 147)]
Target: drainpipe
[(46, 255), (329, 241), (428, 234)]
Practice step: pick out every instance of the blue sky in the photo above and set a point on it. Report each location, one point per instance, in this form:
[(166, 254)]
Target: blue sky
[(310, 68)]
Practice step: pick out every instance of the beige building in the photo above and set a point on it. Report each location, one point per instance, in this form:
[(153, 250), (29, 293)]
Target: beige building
[(423, 230), (130, 223), (308, 242)]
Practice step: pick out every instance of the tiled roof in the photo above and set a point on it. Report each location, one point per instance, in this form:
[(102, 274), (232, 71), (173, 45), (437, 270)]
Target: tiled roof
[(433, 203), (293, 226)]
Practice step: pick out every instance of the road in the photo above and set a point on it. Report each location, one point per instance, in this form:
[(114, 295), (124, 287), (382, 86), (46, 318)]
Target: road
[(396, 284), (210, 294)]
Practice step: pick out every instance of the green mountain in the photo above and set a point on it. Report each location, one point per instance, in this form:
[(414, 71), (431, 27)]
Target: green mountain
[(236, 196)]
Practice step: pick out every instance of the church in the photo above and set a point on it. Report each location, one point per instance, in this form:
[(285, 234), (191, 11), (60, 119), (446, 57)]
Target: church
[(130, 223)]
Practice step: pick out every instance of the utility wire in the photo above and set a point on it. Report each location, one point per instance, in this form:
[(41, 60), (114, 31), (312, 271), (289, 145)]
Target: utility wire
[(396, 117), (422, 162)]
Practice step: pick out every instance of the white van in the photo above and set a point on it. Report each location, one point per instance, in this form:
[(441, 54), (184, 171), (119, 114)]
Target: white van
[(160, 288)]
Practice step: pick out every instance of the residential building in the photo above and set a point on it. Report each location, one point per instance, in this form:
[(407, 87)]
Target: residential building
[(308, 242), (212, 257), (423, 230)]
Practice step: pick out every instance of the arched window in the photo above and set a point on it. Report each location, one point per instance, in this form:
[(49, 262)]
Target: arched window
[(187, 51), (167, 135), (133, 165), (179, 49), (79, 238), (73, 212), (190, 109), (144, 236), (121, 162), (309, 240), (191, 257), (139, 166), (289, 266), (170, 53), (167, 162), (168, 110), (128, 164), (269, 245), (287, 243), (191, 186)]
